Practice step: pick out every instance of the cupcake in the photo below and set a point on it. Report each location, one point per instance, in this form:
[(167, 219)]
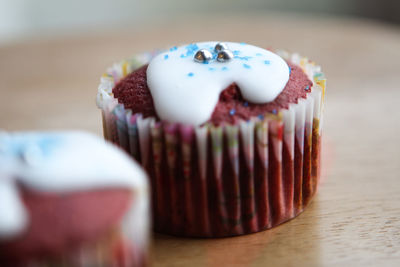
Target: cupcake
[(70, 199), (229, 134)]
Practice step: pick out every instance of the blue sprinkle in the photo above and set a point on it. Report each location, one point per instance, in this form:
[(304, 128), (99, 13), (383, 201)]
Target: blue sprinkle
[(190, 74), (258, 54), (290, 70), (246, 66), (242, 43), (307, 88), (166, 57), (267, 62), (173, 48), (17, 146), (236, 52), (246, 58), (211, 69), (261, 117), (232, 112), (191, 49), (274, 111), (224, 68), (246, 104), (183, 56)]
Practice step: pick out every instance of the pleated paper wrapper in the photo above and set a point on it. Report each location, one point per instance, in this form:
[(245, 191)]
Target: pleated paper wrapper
[(216, 181), (123, 245)]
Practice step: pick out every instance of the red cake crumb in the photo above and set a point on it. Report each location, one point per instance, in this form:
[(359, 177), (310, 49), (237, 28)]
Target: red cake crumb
[(133, 92), (59, 223)]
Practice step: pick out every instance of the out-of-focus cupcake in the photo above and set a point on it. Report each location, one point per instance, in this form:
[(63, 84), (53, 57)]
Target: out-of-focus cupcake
[(229, 134), (70, 199)]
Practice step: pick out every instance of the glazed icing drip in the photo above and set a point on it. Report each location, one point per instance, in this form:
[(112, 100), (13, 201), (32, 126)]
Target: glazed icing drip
[(13, 218), (57, 162), (186, 91)]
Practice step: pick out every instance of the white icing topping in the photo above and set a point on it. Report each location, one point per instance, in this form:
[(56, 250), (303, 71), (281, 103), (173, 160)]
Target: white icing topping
[(186, 91), (58, 162), (13, 218)]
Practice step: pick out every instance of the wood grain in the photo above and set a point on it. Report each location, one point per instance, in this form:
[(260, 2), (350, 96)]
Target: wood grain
[(355, 217)]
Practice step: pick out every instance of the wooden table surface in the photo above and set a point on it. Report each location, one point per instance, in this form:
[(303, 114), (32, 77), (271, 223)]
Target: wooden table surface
[(354, 220)]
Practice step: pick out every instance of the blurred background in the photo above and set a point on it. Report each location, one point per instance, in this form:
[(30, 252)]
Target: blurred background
[(28, 18)]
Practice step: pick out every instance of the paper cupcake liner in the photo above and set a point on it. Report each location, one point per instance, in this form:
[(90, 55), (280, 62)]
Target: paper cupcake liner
[(124, 245), (215, 181), (113, 251)]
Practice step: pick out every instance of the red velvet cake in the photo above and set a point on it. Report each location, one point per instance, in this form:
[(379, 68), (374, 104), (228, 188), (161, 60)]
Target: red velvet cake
[(229, 134), (134, 94), (61, 205)]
